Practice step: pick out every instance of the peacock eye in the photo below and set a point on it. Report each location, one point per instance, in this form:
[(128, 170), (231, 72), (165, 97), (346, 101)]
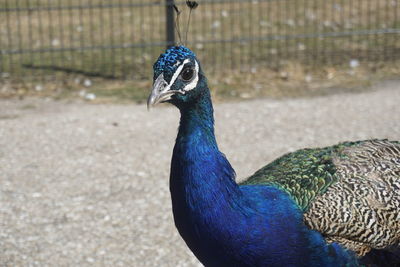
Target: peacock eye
[(187, 74)]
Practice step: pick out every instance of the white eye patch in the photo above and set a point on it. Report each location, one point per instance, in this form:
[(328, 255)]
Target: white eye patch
[(189, 86), (193, 83), (177, 72)]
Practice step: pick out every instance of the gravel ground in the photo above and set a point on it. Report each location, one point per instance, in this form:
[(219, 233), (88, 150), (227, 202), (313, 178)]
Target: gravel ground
[(84, 184)]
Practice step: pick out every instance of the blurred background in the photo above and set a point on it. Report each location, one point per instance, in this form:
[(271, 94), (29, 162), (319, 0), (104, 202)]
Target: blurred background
[(105, 49), (84, 170)]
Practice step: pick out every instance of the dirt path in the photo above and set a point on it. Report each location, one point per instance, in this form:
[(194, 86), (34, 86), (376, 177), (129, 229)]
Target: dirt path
[(85, 184)]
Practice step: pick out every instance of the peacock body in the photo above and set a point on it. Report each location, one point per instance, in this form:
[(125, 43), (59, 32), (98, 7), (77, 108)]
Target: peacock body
[(350, 192), (334, 206)]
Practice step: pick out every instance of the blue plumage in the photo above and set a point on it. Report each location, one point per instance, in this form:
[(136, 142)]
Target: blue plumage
[(225, 224), (168, 62)]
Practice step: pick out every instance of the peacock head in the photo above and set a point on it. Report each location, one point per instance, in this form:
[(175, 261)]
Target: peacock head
[(178, 78)]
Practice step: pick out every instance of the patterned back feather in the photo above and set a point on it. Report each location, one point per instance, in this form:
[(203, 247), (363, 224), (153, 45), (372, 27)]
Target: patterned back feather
[(349, 192)]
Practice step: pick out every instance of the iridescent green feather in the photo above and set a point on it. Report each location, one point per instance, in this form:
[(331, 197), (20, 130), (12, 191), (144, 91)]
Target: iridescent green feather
[(303, 174)]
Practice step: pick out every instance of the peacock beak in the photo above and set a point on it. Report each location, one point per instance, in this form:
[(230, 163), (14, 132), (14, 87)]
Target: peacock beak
[(161, 92)]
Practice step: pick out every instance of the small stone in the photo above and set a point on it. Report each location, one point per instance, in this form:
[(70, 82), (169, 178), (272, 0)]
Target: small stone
[(36, 195), (216, 24), (290, 23), (90, 96), (55, 42), (87, 83), (245, 95), (301, 46), (354, 63), (327, 23), (284, 75), (273, 51), (141, 174)]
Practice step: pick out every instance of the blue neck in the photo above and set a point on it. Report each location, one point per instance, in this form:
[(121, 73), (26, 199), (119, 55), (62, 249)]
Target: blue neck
[(197, 162), (197, 120)]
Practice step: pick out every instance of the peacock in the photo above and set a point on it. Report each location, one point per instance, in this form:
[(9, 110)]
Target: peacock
[(332, 206)]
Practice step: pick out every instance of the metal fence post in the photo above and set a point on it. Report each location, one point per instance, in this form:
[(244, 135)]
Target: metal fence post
[(170, 23)]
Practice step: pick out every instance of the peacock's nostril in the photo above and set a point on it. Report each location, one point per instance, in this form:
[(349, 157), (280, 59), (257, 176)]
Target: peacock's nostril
[(160, 84)]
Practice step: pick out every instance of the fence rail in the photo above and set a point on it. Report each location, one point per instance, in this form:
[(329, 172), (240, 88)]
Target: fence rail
[(44, 38)]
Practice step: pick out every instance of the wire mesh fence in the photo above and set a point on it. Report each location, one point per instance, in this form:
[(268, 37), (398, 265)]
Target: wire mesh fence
[(48, 39)]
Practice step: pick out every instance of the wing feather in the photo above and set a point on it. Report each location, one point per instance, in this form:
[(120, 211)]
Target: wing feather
[(362, 210), (349, 192)]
